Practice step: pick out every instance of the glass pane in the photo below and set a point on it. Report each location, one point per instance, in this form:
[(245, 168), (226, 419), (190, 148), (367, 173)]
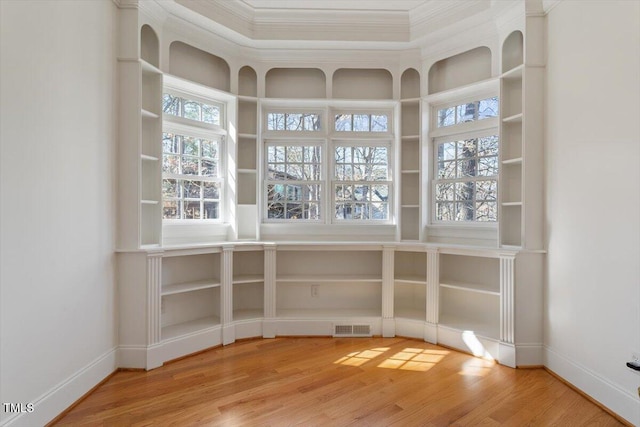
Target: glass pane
[(275, 121), (447, 151), (361, 122), (467, 148), (211, 114), (275, 154), (379, 123), (275, 192), (486, 211), (486, 190), (359, 211), (343, 122), (312, 154), (379, 193), (211, 190), (171, 104), (191, 210), (191, 110), (170, 209), (445, 191), (170, 188), (312, 210), (446, 170), (294, 154), (488, 146), (488, 166), (311, 192), (379, 211), (466, 112), (191, 189), (211, 210), (189, 165), (342, 211), (294, 171), (341, 154), (311, 172), (171, 164), (294, 192), (190, 146), (294, 211), (275, 210), (360, 192), (464, 211), (311, 122), (488, 108), (464, 190), (294, 121), (170, 143), (344, 192), (446, 116), (378, 173), (209, 148), (466, 168), (445, 212)]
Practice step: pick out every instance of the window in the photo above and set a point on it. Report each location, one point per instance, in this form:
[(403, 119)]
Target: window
[(465, 178), (466, 182), (361, 183), (333, 175), (468, 112), (293, 181), (192, 146), (293, 121), (361, 123)]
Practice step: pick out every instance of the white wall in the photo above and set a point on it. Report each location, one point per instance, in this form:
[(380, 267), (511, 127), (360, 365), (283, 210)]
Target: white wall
[(57, 203), (593, 199)]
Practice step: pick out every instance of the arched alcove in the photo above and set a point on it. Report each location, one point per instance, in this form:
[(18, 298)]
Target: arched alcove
[(149, 46), (247, 81), (410, 84), (296, 83), (464, 68), (362, 83), (512, 51), (198, 66)]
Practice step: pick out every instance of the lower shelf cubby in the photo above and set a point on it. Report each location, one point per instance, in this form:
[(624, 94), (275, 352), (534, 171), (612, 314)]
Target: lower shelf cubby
[(189, 312), (410, 300), (476, 313), (248, 300)]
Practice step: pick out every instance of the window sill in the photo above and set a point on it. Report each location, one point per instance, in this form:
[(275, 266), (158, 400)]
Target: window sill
[(327, 232)]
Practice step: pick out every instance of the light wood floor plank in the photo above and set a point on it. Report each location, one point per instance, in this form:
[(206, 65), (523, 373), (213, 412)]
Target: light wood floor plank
[(335, 382)]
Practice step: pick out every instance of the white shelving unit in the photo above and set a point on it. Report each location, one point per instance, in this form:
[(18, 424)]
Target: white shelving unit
[(410, 285), (190, 293), (248, 284)]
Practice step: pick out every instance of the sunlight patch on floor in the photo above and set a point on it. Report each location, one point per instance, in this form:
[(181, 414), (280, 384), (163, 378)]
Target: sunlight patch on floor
[(414, 359), (477, 367), (358, 358)]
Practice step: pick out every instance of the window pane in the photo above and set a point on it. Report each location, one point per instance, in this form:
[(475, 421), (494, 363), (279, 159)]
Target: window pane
[(446, 170), (275, 210), (446, 117), (343, 122), (294, 154), (170, 209), (311, 122), (189, 165), (379, 193), (191, 110), (488, 108), (343, 192), (445, 191), (312, 210), (486, 211), (294, 171), (464, 190), (171, 104), (488, 146), (275, 121), (191, 210), (311, 192), (293, 121), (209, 149), (312, 154), (488, 166), (445, 212), (466, 168), (294, 211), (466, 112), (361, 122), (486, 190), (211, 190), (467, 148), (170, 143), (170, 188), (464, 211), (211, 114), (447, 151), (275, 154), (191, 189), (171, 164), (211, 210), (379, 123), (190, 146), (379, 211)]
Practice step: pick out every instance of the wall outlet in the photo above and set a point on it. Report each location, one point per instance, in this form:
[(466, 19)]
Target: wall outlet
[(314, 291)]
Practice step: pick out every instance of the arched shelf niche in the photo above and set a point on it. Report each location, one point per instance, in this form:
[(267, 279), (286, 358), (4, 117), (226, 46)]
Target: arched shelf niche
[(149, 46), (512, 51), (198, 66), (295, 83), (362, 83), (459, 70), (247, 81), (410, 84)]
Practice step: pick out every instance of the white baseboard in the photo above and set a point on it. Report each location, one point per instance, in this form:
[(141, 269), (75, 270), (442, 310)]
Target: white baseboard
[(610, 395), (62, 396)]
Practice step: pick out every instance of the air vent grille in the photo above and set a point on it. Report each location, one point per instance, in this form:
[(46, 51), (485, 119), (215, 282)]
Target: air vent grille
[(352, 330)]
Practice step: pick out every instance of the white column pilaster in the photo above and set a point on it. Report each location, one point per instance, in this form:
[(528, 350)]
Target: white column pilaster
[(388, 275), (226, 294), (269, 326), (433, 296), (507, 281), (154, 288)]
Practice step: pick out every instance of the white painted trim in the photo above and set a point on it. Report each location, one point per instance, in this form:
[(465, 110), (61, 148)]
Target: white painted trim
[(132, 356), (60, 397), (607, 393)]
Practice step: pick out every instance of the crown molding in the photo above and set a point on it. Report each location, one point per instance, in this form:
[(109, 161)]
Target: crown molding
[(126, 4)]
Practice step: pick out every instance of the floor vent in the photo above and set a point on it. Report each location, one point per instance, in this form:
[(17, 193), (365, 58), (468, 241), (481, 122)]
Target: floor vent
[(352, 331)]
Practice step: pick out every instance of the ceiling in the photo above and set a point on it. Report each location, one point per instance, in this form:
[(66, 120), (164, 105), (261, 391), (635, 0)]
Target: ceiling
[(334, 5)]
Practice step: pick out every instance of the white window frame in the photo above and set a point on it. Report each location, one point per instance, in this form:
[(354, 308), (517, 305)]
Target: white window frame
[(460, 131), (197, 129), (389, 182), (333, 112)]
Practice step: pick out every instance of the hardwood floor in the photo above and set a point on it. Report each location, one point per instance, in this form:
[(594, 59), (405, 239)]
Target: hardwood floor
[(335, 382)]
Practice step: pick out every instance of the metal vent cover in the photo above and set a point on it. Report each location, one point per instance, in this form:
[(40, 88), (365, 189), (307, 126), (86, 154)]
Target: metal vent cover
[(352, 330)]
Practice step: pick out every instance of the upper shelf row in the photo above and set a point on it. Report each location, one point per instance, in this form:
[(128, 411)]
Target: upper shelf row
[(196, 65)]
